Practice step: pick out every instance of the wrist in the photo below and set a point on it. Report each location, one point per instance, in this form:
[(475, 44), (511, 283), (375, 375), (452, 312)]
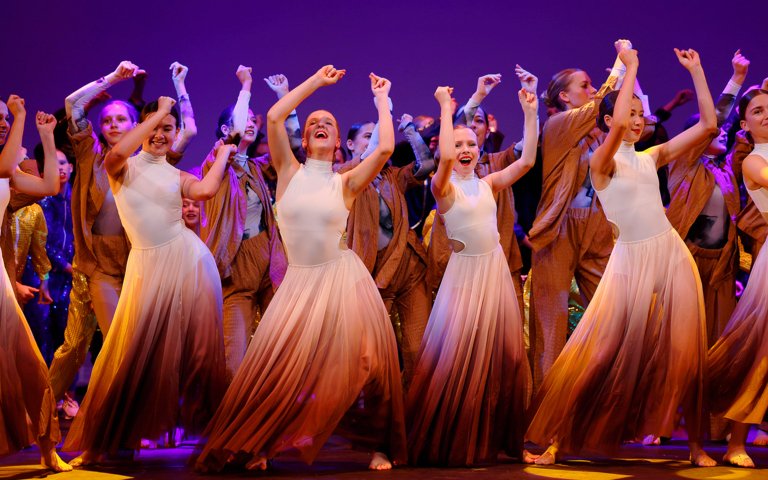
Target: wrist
[(737, 79), (112, 78)]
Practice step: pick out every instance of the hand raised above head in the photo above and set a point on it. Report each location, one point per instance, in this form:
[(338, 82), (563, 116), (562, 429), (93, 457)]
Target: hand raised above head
[(443, 95), (688, 58), (622, 44), (243, 73), (380, 86), (740, 64), (178, 72), (126, 70), (629, 57), (328, 75), (528, 80), (278, 83), (486, 83), (165, 104), (16, 105), (45, 122), (528, 100)]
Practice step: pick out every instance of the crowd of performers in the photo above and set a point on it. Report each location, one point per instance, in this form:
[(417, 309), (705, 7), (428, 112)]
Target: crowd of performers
[(275, 297)]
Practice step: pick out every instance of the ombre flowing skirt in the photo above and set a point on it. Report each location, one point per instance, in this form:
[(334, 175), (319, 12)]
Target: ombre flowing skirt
[(323, 360), (472, 382), (27, 406), (162, 363), (737, 363), (635, 358)]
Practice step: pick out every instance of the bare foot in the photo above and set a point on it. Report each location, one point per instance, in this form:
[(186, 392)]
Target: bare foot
[(548, 457), (738, 459), (259, 463), (649, 440), (379, 462), (86, 458), (52, 460), (761, 439), (701, 459), (528, 457)]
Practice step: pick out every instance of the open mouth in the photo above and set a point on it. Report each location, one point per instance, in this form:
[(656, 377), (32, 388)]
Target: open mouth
[(465, 160), (321, 134)]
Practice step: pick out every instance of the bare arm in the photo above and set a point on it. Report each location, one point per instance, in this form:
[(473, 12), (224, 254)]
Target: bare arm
[(506, 177), (284, 161), (601, 163), (755, 170), (188, 125), (441, 182), (205, 189), (279, 84), (116, 159), (707, 124), (8, 157), (359, 177), (75, 104), (485, 84), (49, 184)]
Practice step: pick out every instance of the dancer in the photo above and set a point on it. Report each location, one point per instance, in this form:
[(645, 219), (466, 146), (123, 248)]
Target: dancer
[(28, 409), (240, 229), (472, 383), (638, 352), (324, 355), (570, 235), (162, 363), (736, 363), (101, 247)]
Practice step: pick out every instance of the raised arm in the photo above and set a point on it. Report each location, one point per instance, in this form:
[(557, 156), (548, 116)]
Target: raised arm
[(205, 189), (188, 125), (75, 104), (506, 177), (601, 163), (425, 162), (49, 184), (279, 145), (359, 177), (240, 111), (707, 124), (116, 159), (9, 155), (441, 182), (485, 84), (279, 84), (726, 101)]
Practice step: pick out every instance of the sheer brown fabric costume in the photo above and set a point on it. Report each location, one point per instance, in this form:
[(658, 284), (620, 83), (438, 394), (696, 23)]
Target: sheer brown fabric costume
[(692, 179), (440, 246), (752, 226), (250, 269), (566, 241), (399, 269)]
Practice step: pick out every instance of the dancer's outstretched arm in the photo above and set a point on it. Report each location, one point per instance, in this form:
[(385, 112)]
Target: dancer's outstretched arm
[(10, 153), (188, 125), (441, 182), (49, 183)]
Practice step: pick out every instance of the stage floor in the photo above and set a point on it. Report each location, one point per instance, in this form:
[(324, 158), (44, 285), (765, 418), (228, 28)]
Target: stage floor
[(635, 462)]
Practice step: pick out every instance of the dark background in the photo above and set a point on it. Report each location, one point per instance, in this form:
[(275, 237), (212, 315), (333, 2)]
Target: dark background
[(50, 49)]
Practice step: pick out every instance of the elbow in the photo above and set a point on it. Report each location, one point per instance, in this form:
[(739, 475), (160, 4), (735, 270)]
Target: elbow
[(273, 118), (6, 171)]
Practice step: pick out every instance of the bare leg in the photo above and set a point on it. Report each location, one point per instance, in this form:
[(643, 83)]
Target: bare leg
[(49, 458), (380, 462), (737, 453)]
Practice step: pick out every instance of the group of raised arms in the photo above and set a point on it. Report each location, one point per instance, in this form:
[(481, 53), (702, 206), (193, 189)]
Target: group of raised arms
[(438, 301)]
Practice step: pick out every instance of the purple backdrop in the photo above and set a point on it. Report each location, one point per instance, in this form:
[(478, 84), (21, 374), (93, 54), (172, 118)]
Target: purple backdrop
[(49, 49)]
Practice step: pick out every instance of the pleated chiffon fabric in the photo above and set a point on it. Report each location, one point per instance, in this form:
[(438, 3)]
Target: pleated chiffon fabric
[(472, 383), (162, 364), (324, 358), (638, 352)]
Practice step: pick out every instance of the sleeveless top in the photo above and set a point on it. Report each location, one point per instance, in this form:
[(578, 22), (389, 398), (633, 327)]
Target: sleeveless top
[(312, 216), (471, 219), (632, 201), (760, 196), (149, 201), (5, 196)]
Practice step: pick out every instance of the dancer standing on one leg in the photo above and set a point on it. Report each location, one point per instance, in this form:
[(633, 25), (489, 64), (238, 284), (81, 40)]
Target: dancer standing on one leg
[(27, 407), (326, 336), (736, 363), (162, 364), (638, 352), (472, 382)]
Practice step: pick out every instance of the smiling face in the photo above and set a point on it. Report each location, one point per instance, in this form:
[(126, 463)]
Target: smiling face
[(321, 135), (162, 137), (115, 121), (64, 167), (190, 213), (5, 125), (467, 150), (718, 145), (636, 122), (755, 118)]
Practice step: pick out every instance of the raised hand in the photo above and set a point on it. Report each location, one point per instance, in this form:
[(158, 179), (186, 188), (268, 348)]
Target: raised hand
[(740, 65), (126, 70), (328, 75), (178, 72), (165, 104), (683, 96), (529, 101), (443, 95), (278, 83), (688, 58), (16, 105), (628, 56), (528, 80), (45, 122), (244, 74), (405, 119), (380, 86), (486, 83), (622, 44)]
